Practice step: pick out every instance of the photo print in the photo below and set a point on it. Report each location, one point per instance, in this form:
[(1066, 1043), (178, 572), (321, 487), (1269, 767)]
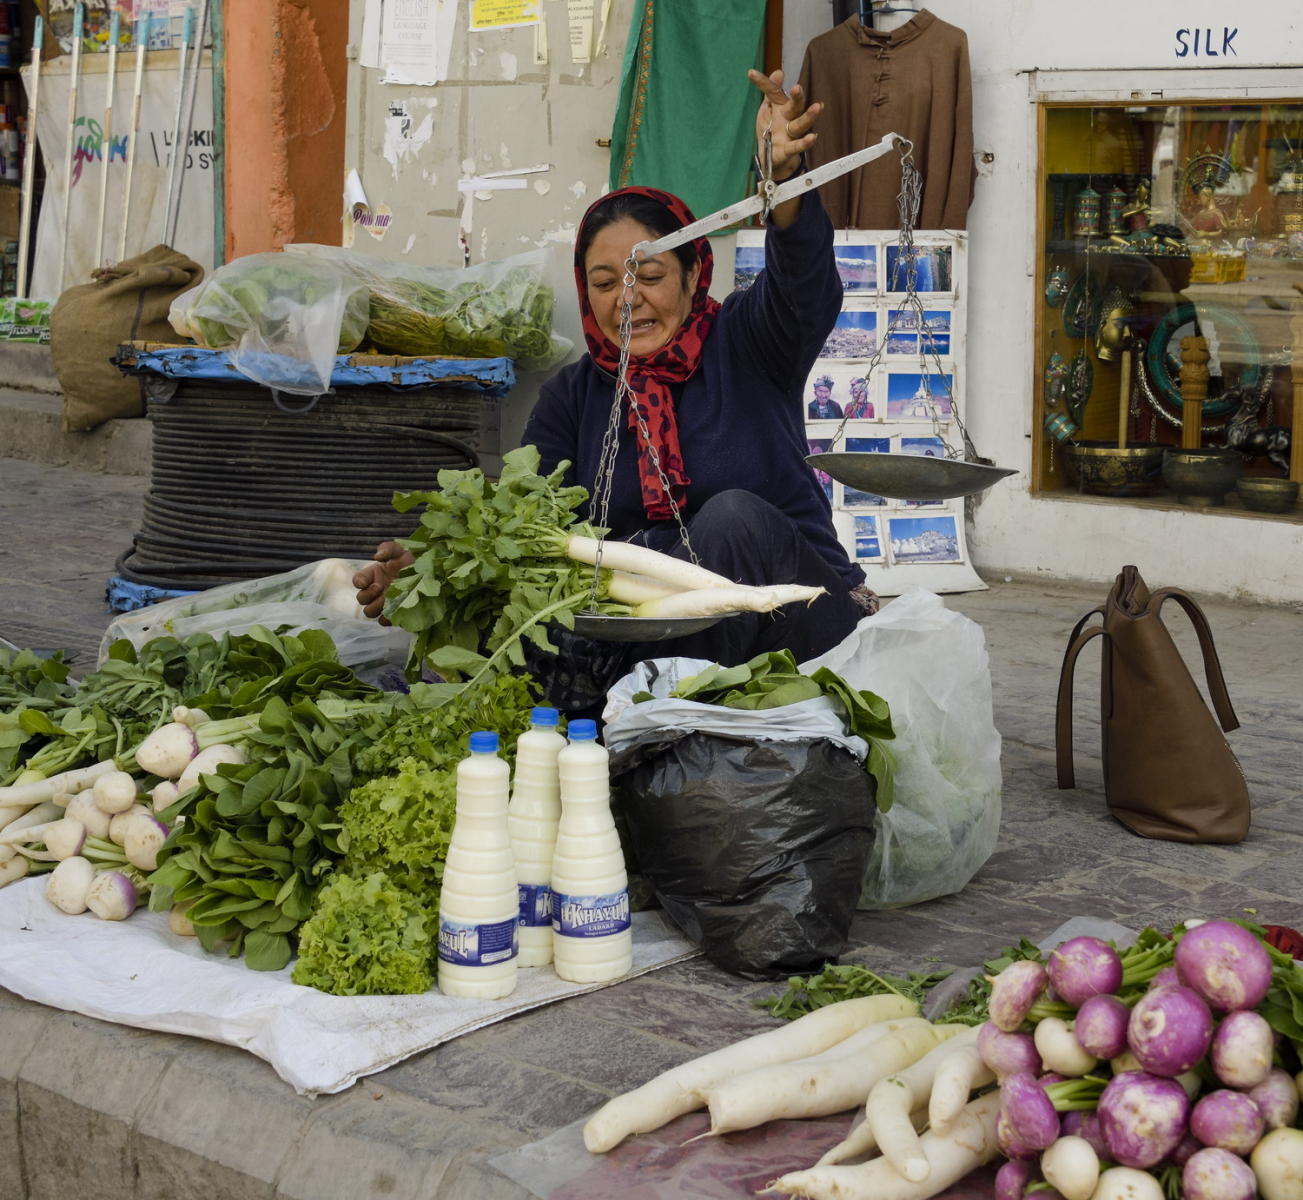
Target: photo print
[(853, 497), (854, 336), (914, 396), (832, 387), (923, 540), (933, 268), (928, 447), (857, 264), (821, 446), (868, 539), (748, 258)]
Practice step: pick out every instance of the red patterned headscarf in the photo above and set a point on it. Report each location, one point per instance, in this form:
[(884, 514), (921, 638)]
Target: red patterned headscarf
[(650, 375)]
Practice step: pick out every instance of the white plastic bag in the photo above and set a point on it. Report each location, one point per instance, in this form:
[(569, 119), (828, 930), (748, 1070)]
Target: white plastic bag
[(282, 317), (931, 666), (317, 595)]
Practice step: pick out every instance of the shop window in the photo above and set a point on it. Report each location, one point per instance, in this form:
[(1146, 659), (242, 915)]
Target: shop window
[(1169, 358)]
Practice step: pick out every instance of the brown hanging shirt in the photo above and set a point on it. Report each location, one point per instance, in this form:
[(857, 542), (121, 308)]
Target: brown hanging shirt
[(913, 81)]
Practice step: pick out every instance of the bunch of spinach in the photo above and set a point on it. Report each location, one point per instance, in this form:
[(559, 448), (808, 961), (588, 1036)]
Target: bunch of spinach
[(773, 680), (28, 683), (487, 570)]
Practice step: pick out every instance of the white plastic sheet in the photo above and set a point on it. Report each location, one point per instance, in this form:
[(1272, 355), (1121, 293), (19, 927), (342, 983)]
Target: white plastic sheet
[(137, 972)]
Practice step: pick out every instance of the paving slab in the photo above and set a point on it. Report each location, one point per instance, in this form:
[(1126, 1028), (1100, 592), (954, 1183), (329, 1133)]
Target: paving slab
[(216, 1122)]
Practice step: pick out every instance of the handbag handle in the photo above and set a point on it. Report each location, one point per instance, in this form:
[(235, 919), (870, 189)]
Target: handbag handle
[(1063, 709), (1221, 698)]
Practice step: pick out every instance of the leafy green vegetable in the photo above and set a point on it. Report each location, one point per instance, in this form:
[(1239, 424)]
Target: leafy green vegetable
[(846, 982), (773, 680)]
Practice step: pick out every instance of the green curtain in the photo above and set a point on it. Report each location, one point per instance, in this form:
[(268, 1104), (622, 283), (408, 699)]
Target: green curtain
[(685, 122)]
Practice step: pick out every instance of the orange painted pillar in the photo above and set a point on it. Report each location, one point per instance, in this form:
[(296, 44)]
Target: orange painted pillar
[(286, 81)]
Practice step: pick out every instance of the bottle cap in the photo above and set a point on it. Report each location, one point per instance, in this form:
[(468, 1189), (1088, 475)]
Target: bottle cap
[(484, 742), (544, 716), (583, 731)]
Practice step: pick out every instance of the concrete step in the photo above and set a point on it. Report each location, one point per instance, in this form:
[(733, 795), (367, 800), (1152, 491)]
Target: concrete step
[(31, 429)]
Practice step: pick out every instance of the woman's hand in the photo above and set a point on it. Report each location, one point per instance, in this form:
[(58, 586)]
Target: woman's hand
[(789, 122), (373, 580)]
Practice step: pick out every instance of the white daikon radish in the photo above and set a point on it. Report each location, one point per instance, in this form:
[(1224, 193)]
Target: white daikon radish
[(860, 1142), (957, 1076)]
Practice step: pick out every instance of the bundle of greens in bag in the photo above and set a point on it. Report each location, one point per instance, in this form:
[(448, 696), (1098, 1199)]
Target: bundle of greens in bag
[(500, 309), (283, 317)]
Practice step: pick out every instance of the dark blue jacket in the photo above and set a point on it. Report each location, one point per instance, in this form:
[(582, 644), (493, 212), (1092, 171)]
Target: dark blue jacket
[(740, 415)]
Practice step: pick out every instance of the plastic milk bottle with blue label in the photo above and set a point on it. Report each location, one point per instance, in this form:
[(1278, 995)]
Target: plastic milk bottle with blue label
[(592, 940), (532, 818), (478, 905)]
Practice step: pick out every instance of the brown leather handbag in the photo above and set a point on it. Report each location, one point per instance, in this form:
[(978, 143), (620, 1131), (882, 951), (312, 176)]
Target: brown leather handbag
[(1168, 771)]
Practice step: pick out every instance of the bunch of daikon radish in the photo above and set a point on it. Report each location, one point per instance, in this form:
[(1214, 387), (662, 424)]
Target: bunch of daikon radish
[(876, 1052)]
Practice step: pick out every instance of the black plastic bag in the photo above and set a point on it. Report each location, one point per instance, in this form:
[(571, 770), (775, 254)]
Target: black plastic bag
[(756, 850)]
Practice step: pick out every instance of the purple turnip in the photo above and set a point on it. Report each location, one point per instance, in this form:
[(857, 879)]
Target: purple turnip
[(112, 897), (1028, 1112), (1083, 967), (1188, 1145), (1084, 1124), (1170, 1030), (1007, 1053), (1226, 964), (1165, 977), (1014, 991), (1011, 1145), (1214, 1174), (1241, 1049), (1012, 1178), (1101, 1026), (1228, 1120), (1276, 1098), (1142, 1118)]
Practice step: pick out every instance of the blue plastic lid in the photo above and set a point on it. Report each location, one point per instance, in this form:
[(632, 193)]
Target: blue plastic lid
[(484, 742), (583, 731), (546, 717)]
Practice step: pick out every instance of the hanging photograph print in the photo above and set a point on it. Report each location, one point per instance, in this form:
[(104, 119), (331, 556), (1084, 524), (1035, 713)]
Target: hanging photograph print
[(748, 258), (868, 539), (821, 446), (853, 497), (857, 263), (832, 387), (923, 539), (933, 269), (917, 397), (928, 447), (854, 336)]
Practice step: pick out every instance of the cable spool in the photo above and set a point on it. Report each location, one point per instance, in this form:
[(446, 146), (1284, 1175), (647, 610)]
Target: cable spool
[(242, 485)]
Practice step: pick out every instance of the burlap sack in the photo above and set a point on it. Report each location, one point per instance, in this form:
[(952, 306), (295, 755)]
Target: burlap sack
[(126, 302)]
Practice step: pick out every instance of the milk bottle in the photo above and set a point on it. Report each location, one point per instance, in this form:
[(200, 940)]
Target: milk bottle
[(478, 904), (532, 818), (591, 937)]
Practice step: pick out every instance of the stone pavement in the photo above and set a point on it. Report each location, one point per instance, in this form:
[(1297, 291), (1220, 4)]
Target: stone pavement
[(84, 1104)]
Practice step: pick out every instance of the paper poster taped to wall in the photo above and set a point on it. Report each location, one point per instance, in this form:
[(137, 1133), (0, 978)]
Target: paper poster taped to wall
[(503, 14)]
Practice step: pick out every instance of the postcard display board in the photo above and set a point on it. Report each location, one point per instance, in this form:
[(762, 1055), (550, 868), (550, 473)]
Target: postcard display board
[(900, 543)]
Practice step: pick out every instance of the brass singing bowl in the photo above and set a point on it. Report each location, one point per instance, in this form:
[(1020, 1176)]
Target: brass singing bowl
[(1102, 469), (1268, 495), (1201, 478), (908, 476)]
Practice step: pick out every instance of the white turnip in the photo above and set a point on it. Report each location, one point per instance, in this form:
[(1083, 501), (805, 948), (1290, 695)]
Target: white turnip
[(1083, 967), (1101, 1026), (168, 750), (142, 841), (1277, 1162), (1214, 1174), (68, 884), (1142, 1118), (1072, 1166), (1226, 964), (1241, 1049), (65, 838), (82, 807), (1276, 1098), (121, 822), (1013, 992), (1059, 1048), (206, 762), (178, 922), (115, 792), (112, 896), (1228, 1120), (1170, 1030), (163, 795), (1127, 1183)]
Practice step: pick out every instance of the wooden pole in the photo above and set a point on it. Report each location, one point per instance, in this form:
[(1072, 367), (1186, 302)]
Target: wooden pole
[(114, 29), (29, 161), (1296, 421), (78, 25), (1194, 390), (142, 46), (1124, 399)]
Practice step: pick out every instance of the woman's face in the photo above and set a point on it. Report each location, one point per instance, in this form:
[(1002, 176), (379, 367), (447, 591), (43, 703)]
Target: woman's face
[(662, 296)]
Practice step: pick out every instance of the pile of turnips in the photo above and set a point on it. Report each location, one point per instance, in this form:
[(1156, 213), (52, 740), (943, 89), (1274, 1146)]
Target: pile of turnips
[(97, 830), (1148, 1074)]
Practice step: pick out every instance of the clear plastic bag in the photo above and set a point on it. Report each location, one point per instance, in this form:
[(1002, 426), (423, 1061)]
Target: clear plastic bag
[(317, 595), (283, 318), (931, 666), (499, 309)]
